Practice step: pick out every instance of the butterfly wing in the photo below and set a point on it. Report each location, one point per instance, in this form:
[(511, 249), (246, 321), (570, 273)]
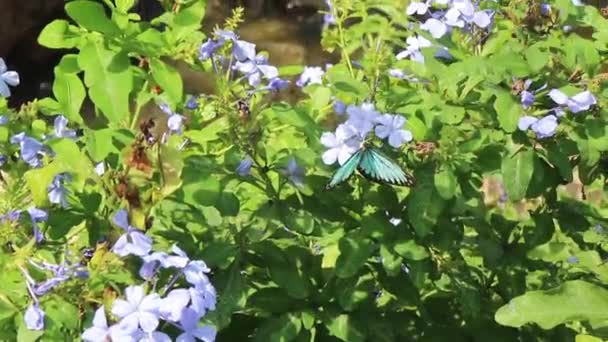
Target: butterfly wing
[(377, 167), (345, 171)]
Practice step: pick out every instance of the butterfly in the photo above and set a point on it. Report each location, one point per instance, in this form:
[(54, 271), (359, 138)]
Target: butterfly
[(373, 165)]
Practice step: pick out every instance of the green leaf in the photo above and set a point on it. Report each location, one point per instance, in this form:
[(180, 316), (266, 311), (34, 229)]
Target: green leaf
[(424, 203), (410, 250), (536, 58), (354, 252), (38, 180), (575, 300), (286, 269), (92, 16), (508, 111), (343, 328), (109, 78), (169, 80), (100, 143), (188, 20), (446, 183), (70, 94), (284, 328), (124, 5), (320, 98), (517, 172), (58, 35)]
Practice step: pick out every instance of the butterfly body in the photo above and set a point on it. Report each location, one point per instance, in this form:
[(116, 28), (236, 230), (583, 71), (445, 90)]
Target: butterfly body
[(373, 165)]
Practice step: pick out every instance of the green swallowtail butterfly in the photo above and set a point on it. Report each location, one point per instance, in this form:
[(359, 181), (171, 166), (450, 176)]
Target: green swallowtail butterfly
[(373, 165)]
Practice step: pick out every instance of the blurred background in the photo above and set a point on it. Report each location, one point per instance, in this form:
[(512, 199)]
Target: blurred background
[(288, 29)]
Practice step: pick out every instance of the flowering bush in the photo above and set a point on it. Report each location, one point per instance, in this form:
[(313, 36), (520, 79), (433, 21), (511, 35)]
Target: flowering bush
[(131, 211)]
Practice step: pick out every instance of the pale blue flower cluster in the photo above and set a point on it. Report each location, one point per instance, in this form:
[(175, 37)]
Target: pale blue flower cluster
[(139, 314), (546, 126), (361, 121), (244, 59), (463, 14)]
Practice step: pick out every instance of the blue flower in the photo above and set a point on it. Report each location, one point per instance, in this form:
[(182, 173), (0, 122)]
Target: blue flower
[(3, 159), (311, 75), (527, 97), (257, 68), (294, 172), (100, 168), (244, 167), (572, 259), (329, 18), (192, 102), (414, 45), (340, 145), (3, 120), (175, 121), (99, 331), (276, 84), (543, 128), (339, 107), (189, 324), (7, 78), (577, 103), (208, 48), (362, 118), (133, 241), (61, 273), (418, 8), (57, 192), (138, 310), (391, 127), (37, 216), (31, 149), (34, 317), (61, 128)]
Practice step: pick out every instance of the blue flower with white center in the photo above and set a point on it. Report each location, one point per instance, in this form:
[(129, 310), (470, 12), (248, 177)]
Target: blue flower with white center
[(244, 167), (7, 78), (311, 75), (34, 317), (31, 149), (577, 103), (57, 191), (543, 128), (133, 241), (138, 310)]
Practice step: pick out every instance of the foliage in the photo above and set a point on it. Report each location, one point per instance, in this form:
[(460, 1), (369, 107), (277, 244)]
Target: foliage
[(500, 238)]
